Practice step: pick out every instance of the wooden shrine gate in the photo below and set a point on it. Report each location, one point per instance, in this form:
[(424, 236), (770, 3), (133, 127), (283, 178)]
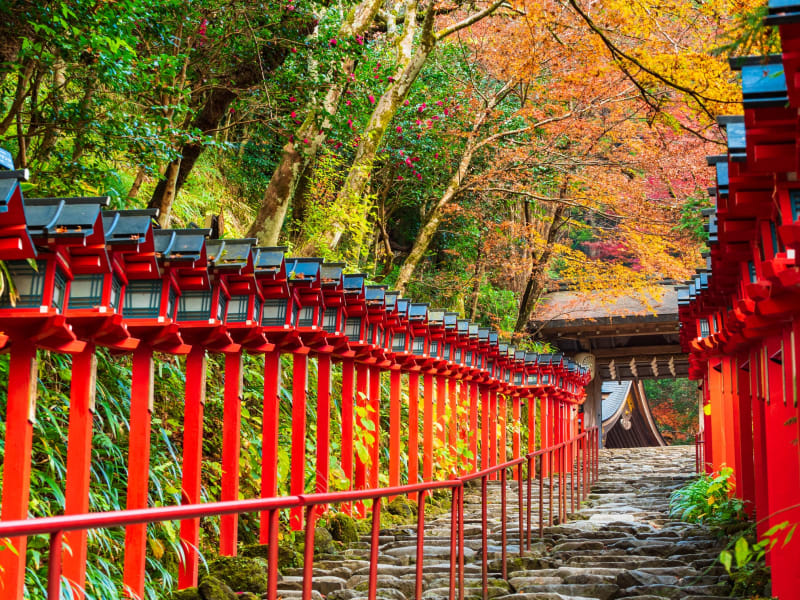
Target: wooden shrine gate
[(741, 315), (90, 277)]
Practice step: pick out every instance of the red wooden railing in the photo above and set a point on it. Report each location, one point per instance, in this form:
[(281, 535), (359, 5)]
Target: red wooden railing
[(575, 461)]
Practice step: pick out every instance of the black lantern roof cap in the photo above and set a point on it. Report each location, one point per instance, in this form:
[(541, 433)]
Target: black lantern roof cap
[(436, 317), (763, 80), (722, 178), (126, 226), (737, 136), (531, 358), (15, 175), (353, 283), (450, 320), (402, 306), (494, 336), (519, 355), (783, 12), (473, 331), (417, 311), (269, 258), (483, 334), (303, 268), (463, 326), (375, 294), (502, 347), (7, 189), (180, 244), (390, 298), (6, 160), (72, 217), (331, 273), (230, 254)]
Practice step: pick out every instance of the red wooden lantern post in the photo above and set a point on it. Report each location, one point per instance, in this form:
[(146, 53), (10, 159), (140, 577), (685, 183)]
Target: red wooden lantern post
[(232, 268), (306, 316), (378, 361), (56, 226), (94, 308)]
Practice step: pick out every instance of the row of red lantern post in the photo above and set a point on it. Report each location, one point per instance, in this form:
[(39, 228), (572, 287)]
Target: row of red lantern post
[(741, 315), (88, 277)]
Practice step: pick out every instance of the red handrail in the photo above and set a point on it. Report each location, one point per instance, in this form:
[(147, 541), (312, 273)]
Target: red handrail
[(580, 451)]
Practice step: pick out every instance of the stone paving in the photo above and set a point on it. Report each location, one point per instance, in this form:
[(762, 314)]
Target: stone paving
[(622, 544)]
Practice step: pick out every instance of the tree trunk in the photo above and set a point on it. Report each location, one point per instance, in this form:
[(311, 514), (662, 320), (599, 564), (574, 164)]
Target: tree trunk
[(536, 279), (215, 108), (137, 184), (480, 267), (170, 189), (297, 155)]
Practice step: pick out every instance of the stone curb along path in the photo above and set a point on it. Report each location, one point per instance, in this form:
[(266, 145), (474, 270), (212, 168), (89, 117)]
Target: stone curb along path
[(622, 544)]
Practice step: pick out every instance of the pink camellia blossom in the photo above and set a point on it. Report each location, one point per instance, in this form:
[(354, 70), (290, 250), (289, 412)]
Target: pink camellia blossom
[(333, 42), (436, 155), (348, 102), (422, 107), (419, 176), (291, 98), (415, 159), (390, 78), (360, 40), (419, 136), (399, 129), (446, 112), (350, 123), (294, 115), (338, 145), (440, 103), (409, 163), (399, 178), (417, 122), (406, 103), (371, 99), (294, 50), (435, 117), (306, 141), (402, 153)]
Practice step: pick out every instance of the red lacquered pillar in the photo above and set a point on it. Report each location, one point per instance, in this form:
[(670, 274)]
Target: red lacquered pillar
[(20, 415), (544, 436), (746, 450), (375, 415), (394, 426), (347, 425), (79, 461), (231, 435), (323, 425), (531, 424), (269, 436), (413, 429), (473, 423), (138, 468), (453, 429), (515, 440), (299, 391), (502, 417), (194, 401), (362, 389), (485, 427), (493, 429), (427, 427), (441, 402)]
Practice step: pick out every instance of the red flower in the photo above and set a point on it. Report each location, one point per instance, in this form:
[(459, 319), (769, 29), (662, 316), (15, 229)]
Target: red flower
[(371, 99), (399, 129), (333, 42), (293, 115), (291, 98)]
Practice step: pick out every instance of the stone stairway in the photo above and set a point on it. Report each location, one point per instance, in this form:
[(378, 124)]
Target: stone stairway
[(621, 544)]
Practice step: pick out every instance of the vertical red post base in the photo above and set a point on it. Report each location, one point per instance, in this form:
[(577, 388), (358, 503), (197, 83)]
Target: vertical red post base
[(297, 480), (269, 437), (79, 461), (138, 468), (231, 434), (20, 415), (194, 402)]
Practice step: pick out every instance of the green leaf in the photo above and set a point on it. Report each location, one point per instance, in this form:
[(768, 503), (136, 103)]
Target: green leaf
[(726, 559), (742, 552)]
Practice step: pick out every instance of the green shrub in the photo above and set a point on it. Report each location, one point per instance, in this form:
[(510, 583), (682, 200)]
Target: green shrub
[(709, 500)]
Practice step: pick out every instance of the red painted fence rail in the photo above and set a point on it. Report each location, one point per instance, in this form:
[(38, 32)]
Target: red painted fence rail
[(575, 461)]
